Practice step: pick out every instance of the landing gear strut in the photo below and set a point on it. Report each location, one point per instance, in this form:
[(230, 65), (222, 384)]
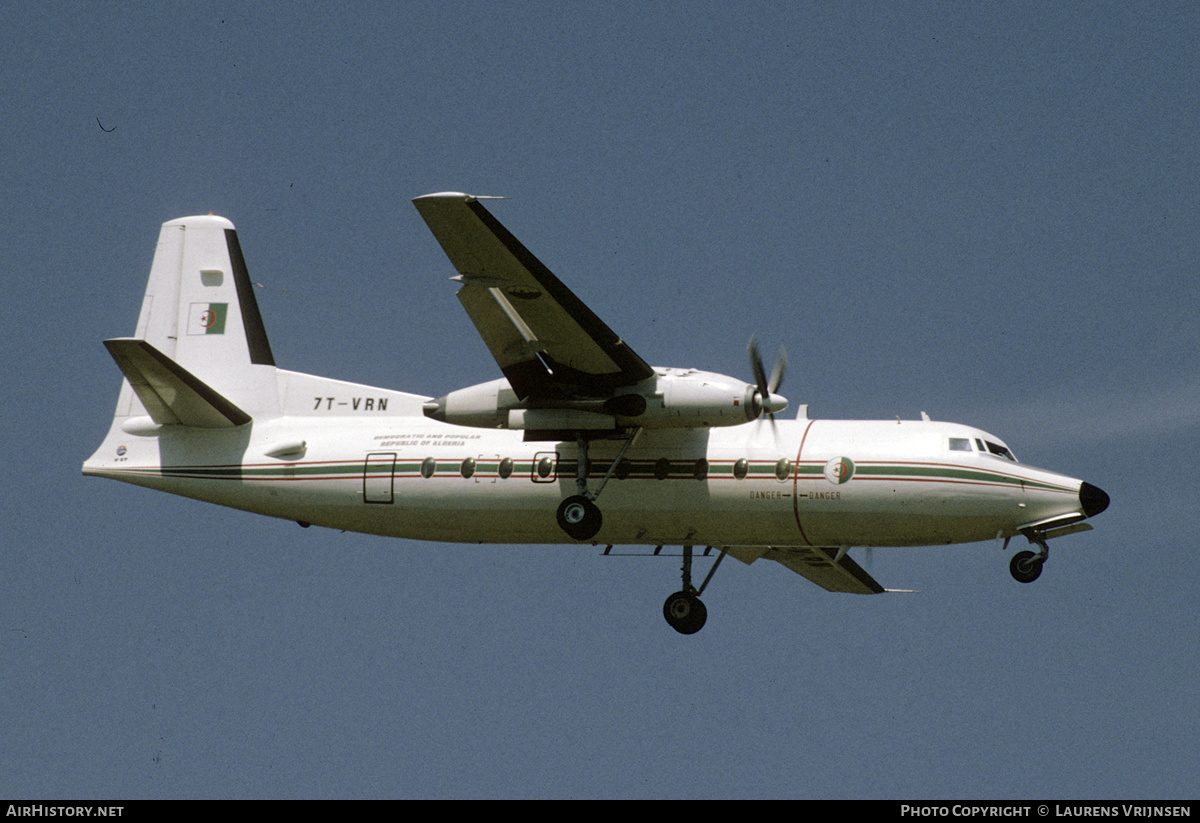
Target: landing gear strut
[(684, 610), (578, 515)]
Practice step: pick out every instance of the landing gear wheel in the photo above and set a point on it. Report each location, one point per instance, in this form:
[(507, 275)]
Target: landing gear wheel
[(1025, 567), (685, 612), (579, 517)]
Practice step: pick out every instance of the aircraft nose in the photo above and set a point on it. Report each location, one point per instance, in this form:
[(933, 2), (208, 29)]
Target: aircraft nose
[(1093, 499)]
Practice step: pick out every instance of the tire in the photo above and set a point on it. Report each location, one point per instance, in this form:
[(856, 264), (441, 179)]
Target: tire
[(685, 612), (1024, 567), (579, 517)]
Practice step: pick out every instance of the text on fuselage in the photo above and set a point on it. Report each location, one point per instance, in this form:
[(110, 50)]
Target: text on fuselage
[(354, 403)]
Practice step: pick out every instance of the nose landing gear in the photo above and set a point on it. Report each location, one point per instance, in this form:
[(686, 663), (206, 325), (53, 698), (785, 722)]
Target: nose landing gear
[(1026, 567)]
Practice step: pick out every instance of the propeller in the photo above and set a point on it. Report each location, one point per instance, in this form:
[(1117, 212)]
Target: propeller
[(766, 401)]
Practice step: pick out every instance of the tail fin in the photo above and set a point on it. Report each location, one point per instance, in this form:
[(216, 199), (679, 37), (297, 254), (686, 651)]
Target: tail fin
[(200, 314)]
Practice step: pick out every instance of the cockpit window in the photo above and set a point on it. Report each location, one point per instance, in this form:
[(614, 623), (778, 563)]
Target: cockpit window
[(960, 444), (1000, 451)]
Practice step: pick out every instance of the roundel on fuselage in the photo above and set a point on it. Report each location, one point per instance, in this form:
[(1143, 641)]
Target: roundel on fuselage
[(839, 470)]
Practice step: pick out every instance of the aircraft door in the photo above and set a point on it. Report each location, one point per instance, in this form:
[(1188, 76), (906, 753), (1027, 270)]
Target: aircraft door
[(378, 472)]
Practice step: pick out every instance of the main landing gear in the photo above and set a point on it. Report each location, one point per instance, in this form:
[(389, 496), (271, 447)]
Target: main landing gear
[(1026, 567), (684, 610), (578, 515)]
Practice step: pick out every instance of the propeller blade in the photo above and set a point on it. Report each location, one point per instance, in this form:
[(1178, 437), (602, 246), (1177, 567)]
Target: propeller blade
[(777, 373), (768, 401), (760, 376)]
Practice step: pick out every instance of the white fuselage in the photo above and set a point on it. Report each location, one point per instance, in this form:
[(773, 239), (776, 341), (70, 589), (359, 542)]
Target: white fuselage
[(829, 483)]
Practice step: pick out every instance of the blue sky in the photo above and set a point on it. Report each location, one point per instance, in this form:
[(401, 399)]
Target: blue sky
[(982, 211)]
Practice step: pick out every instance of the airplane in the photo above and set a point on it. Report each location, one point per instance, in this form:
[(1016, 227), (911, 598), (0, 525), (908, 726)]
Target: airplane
[(579, 440)]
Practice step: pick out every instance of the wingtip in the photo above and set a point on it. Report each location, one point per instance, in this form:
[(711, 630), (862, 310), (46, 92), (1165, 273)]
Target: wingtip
[(458, 195), (201, 221), (445, 195)]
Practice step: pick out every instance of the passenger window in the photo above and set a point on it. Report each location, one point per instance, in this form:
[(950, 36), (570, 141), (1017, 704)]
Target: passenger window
[(662, 468), (740, 469), (544, 467), (506, 468), (427, 467), (623, 469), (468, 467), (783, 468)]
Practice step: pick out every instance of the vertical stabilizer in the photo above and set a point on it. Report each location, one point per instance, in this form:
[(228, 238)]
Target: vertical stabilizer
[(200, 311)]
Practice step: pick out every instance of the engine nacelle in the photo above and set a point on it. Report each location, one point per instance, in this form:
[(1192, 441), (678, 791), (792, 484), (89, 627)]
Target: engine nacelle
[(686, 398), (484, 406), (673, 398)]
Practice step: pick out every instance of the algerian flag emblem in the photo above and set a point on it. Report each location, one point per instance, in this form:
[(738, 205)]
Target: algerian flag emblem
[(839, 470), (207, 318)]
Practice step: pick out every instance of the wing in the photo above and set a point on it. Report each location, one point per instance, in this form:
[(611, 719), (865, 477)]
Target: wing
[(545, 340), (819, 565)]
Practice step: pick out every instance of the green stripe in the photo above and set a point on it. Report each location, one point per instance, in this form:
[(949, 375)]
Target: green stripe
[(638, 470)]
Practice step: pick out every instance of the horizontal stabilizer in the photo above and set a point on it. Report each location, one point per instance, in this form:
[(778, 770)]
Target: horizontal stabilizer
[(171, 394)]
